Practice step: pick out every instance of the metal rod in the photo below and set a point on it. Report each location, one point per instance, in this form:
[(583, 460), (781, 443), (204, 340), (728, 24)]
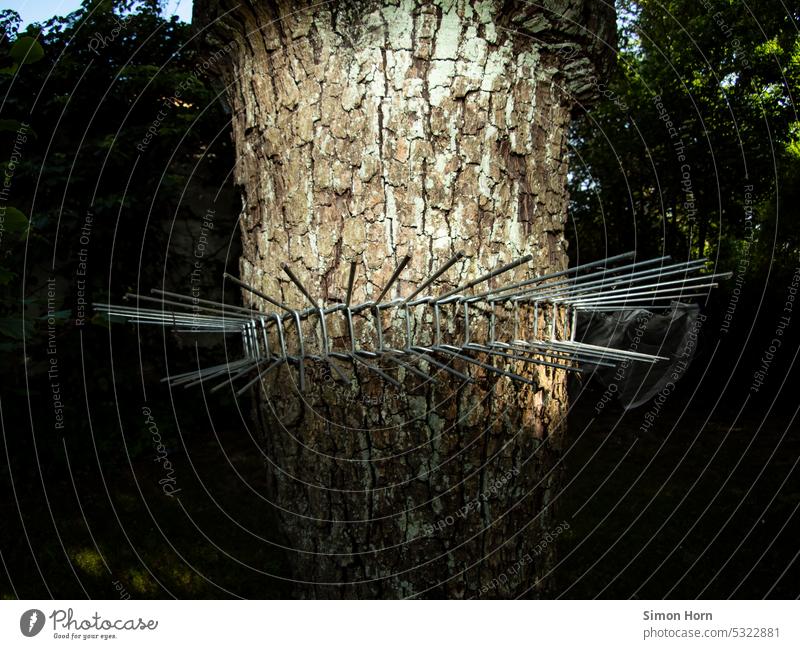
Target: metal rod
[(211, 375), (446, 368), (621, 282), (189, 381), (232, 378), (403, 262), (639, 287), (606, 275), (153, 314), (264, 335), (301, 370), (192, 372), (516, 357), (546, 291), (273, 365), (350, 281), (600, 351), (485, 366), (343, 378), (299, 285), (175, 381), (135, 310), (435, 276), (188, 298), (157, 300), (560, 273), (641, 297), (150, 316), (377, 370), (410, 368), (542, 349), (609, 351), (193, 327), (254, 291), (604, 309), (487, 276), (178, 379), (206, 329), (653, 288)]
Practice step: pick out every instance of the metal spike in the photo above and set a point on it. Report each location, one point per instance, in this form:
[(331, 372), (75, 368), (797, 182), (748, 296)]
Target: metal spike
[(459, 255), (299, 285), (350, 282), (254, 291), (394, 277), (486, 277)]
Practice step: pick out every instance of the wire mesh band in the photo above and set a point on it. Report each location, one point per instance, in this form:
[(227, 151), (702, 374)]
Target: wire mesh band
[(542, 313)]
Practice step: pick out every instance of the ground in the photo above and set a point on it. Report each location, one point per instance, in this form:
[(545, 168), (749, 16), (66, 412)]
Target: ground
[(676, 512)]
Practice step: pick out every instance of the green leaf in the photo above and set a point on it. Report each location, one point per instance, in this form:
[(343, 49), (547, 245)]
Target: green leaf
[(12, 220), (26, 50), (10, 125), (57, 315), (5, 276), (16, 328), (16, 125)]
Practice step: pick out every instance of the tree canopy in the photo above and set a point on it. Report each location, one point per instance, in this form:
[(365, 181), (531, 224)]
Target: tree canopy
[(696, 135), (115, 148)]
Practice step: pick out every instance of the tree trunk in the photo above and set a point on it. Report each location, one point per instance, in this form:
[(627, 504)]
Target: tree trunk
[(368, 130)]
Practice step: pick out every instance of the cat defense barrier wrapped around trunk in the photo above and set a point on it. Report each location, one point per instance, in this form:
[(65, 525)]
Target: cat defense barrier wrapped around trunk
[(598, 317)]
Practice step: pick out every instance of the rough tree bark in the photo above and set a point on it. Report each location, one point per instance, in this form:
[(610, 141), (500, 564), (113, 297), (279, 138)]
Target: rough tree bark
[(374, 128)]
